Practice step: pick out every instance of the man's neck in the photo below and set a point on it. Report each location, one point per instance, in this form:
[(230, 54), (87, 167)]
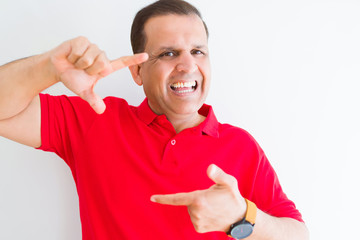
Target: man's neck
[(188, 121)]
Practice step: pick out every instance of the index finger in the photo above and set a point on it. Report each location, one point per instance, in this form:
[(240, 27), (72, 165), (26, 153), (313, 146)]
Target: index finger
[(177, 199), (127, 61)]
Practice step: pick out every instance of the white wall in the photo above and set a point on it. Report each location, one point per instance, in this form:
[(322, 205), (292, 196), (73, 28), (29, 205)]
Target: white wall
[(287, 71)]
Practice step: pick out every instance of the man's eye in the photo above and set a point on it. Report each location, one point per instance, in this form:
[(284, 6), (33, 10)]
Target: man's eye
[(197, 52), (167, 54)]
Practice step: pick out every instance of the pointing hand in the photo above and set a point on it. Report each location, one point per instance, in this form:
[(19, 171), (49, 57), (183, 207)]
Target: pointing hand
[(212, 209)]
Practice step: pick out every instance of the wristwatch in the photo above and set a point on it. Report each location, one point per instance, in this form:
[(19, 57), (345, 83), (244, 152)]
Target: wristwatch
[(245, 226)]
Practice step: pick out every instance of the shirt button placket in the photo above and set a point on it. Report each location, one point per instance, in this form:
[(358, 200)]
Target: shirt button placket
[(173, 142)]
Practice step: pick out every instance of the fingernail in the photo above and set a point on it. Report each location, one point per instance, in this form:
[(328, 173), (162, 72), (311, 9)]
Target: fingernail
[(152, 198)]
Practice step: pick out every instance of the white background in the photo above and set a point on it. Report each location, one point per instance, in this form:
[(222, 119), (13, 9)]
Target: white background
[(286, 71)]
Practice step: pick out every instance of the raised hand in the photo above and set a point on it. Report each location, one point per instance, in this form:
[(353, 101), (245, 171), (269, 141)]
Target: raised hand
[(80, 64), (213, 209)]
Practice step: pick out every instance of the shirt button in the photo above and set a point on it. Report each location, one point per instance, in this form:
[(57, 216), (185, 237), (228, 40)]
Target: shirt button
[(173, 142)]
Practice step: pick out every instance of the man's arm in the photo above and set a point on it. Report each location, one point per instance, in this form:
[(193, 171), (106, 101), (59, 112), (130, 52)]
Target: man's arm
[(76, 63), (269, 227), (20, 83), (221, 205)]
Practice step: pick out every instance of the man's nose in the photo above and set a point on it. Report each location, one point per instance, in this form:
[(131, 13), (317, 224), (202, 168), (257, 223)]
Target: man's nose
[(186, 63)]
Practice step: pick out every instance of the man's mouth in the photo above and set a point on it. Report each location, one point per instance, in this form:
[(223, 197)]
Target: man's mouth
[(184, 87)]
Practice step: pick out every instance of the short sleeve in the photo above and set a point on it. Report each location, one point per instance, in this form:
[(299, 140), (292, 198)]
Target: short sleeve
[(64, 122), (269, 194)]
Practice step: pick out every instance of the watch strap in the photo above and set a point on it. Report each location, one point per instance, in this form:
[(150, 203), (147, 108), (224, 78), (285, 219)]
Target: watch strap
[(251, 210)]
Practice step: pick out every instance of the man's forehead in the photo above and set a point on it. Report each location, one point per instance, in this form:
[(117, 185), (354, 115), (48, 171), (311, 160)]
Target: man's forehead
[(167, 31), (167, 22)]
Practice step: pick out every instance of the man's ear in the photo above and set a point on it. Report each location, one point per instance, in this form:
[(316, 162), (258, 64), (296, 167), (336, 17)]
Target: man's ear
[(135, 73)]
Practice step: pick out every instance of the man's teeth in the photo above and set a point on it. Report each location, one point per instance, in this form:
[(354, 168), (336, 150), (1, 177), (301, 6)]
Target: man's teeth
[(183, 84), (185, 91)]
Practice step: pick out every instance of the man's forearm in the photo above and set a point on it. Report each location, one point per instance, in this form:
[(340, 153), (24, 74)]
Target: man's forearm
[(21, 81), (272, 228)]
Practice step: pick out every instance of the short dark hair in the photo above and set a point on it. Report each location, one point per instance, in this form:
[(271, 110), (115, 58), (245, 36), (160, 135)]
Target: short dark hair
[(158, 8)]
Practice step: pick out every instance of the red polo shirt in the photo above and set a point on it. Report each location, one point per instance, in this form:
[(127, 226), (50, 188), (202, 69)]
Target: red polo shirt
[(122, 157)]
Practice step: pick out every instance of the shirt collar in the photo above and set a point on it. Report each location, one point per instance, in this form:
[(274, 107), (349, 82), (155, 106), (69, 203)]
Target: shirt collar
[(145, 113), (210, 126)]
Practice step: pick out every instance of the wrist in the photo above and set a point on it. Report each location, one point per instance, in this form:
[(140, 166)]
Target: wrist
[(49, 70), (244, 228)]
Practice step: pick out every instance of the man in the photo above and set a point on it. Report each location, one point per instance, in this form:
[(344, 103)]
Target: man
[(212, 178)]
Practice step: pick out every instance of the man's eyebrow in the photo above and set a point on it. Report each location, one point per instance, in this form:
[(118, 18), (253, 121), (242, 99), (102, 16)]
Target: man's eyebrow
[(159, 50), (171, 48), (165, 48), (200, 46)]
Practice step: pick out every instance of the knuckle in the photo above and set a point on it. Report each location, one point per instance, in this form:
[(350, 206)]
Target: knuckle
[(90, 71), (75, 53), (82, 39), (196, 225), (199, 202), (196, 217), (84, 62), (199, 228), (94, 46), (101, 63), (79, 41)]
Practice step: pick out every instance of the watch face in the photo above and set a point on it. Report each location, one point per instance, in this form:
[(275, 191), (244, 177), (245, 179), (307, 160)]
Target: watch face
[(242, 230)]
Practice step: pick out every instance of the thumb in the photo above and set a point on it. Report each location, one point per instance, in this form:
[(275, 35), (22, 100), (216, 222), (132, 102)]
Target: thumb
[(220, 177), (94, 100)]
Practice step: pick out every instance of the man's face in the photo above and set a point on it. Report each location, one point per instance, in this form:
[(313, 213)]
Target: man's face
[(176, 77)]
